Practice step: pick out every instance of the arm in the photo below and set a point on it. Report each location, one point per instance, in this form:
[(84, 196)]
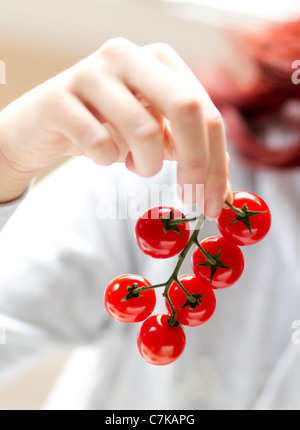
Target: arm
[(12, 185)]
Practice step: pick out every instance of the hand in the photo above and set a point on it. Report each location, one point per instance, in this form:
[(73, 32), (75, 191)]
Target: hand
[(139, 105)]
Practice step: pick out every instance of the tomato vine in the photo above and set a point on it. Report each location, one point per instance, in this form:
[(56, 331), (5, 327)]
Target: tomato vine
[(217, 262)]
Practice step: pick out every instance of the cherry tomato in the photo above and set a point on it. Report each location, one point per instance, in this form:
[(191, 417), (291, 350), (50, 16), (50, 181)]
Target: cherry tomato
[(157, 236), (251, 225), (158, 342), (221, 263), (135, 309), (188, 313)]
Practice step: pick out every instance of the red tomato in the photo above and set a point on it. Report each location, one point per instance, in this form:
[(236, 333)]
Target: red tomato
[(158, 342), (159, 239), (135, 309), (190, 314), (222, 266), (248, 229)]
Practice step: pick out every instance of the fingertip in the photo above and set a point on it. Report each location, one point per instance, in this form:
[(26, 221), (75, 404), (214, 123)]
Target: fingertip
[(213, 206), (229, 195), (145, 169), (129, 163), (191, 194)]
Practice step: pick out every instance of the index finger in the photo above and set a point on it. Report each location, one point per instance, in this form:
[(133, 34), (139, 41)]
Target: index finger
[(217, 168), (177, 99)]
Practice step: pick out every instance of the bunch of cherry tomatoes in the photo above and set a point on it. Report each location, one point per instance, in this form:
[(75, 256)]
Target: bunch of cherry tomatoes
[(217, 262)]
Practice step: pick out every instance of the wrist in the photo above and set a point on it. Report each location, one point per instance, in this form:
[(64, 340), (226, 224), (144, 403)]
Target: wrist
[(13, 183), (13, 180)]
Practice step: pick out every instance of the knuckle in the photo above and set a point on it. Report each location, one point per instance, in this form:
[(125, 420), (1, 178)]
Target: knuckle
[(95, 142), (80, 75), (162, 51), (51, 103), (148, 131), (214, 121), (217, 185), (217, 178), (54, 97), (195, 163), (114, 48), (187, 106)]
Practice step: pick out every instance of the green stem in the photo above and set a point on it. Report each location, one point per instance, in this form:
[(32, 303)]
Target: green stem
[(173, 318), (238, 211), (151, 287), (206, 254), (182, 256), (174, 277), (189, 296), (177, 221)]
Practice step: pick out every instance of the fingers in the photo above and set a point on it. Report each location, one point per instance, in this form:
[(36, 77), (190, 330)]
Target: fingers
[(216, 181), (126, 91), (197, 127), (175, 98), (214, 160), (63, 113), (229, 195), (138, 128)]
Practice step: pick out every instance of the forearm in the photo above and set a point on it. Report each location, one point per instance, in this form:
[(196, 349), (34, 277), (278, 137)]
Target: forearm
[(13, 181)]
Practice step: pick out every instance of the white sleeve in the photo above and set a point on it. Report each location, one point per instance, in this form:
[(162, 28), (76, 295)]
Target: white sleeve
[(57, 255), (55, 261), (8, 209)]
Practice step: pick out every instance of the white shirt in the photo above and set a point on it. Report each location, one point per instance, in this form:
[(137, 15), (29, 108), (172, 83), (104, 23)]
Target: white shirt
[(57, 256)]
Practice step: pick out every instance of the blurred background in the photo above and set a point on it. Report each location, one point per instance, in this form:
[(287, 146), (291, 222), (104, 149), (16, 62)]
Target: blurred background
[(40, 38)]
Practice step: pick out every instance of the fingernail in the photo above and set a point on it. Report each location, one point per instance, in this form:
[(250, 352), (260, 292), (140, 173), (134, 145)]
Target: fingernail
[(228, 196), (213, 207)]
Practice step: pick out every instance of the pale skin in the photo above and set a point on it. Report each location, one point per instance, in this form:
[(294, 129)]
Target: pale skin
[(138, 105)]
